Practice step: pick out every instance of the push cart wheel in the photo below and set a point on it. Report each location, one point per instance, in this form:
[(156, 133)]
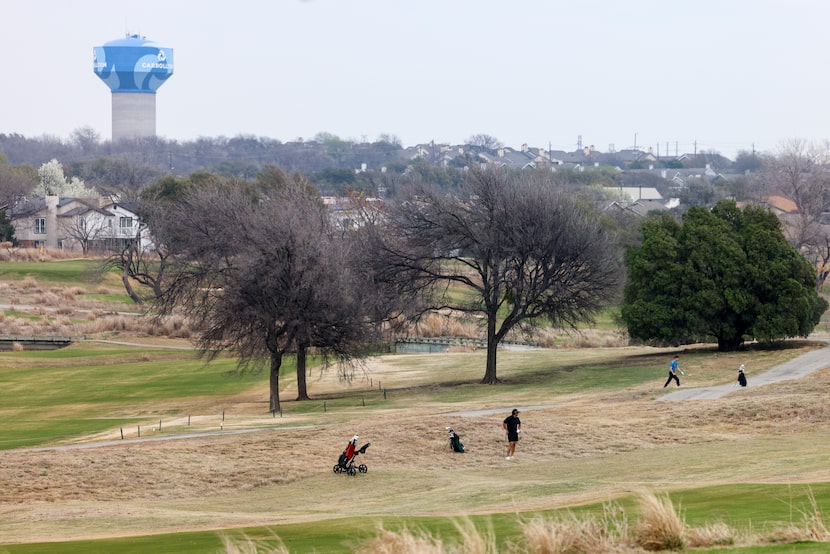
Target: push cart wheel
[(352, 471), (362, 468)]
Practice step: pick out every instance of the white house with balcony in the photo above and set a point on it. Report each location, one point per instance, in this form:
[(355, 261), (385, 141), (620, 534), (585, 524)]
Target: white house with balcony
[(83, 224)]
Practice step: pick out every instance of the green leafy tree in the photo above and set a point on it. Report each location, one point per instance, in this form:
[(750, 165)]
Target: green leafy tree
[(726, 274), (6, 229)]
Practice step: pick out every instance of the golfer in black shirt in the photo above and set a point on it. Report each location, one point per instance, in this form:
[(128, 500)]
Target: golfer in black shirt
[(512, 427)]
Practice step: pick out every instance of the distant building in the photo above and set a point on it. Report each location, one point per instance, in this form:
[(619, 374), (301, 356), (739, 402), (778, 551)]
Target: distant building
[(635, 194), (76, 224)]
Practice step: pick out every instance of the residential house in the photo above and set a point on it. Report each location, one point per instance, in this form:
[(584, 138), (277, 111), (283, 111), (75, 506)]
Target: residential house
[(76, 223), (635, 194), (508, 157)]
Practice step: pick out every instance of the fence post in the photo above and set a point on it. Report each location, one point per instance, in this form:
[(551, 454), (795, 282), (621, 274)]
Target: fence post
[(122, 433), (324, 406), (139, 431), (384, 394)]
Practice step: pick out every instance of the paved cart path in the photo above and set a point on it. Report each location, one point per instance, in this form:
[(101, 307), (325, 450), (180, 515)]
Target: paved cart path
[(794, 369)]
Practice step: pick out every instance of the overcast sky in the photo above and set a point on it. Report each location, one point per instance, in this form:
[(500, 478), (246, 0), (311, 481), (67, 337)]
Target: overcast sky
[(718, 74)]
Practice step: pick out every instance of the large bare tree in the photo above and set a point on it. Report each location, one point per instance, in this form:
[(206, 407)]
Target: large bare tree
[(265, 276), (524, 251)]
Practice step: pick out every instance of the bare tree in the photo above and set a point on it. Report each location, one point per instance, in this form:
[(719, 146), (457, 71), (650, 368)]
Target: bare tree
[(120, 178), (15, 184), (84, 225), (144, 264), (800, 171), (485, 141), (265, 276), (86, 139), (524, 251)]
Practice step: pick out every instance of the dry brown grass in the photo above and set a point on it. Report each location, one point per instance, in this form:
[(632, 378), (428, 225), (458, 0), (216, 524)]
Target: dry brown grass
[(659, 526), (403, 542), (444, 325), (572, 534), (69, 312), (472, 540), (711, 536), (246, 545), (12, 254)]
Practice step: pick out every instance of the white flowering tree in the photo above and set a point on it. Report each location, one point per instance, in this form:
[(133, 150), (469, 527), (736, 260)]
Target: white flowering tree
[(53, 182)]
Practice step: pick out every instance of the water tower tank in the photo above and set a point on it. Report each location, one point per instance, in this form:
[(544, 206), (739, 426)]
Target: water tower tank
[(133, 68)]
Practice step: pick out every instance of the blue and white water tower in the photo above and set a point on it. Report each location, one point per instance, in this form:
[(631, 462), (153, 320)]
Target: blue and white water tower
[(133, 68)]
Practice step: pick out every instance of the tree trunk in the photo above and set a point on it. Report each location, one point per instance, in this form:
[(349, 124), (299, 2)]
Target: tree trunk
[(276, 362), (729, 344), (302, 391), (492, 345), (125, 278), (822, 277)]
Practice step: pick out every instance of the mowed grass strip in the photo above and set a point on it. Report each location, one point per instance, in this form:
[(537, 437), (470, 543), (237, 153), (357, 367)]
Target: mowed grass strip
[(750, 509), (48, 396), (58, 271)]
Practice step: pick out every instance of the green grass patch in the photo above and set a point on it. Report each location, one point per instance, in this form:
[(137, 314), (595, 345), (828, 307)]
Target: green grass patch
[(22, 315), (757, 506), (52, 395), (63, 271), (115, 298)]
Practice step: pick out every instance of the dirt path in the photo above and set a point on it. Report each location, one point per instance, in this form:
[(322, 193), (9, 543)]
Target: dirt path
[(793, 369)]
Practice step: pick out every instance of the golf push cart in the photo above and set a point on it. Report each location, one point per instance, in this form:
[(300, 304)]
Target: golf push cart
[(345, 464)]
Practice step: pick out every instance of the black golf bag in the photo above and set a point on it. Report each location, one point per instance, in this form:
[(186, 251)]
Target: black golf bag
[(455, 441), (741, 378)]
